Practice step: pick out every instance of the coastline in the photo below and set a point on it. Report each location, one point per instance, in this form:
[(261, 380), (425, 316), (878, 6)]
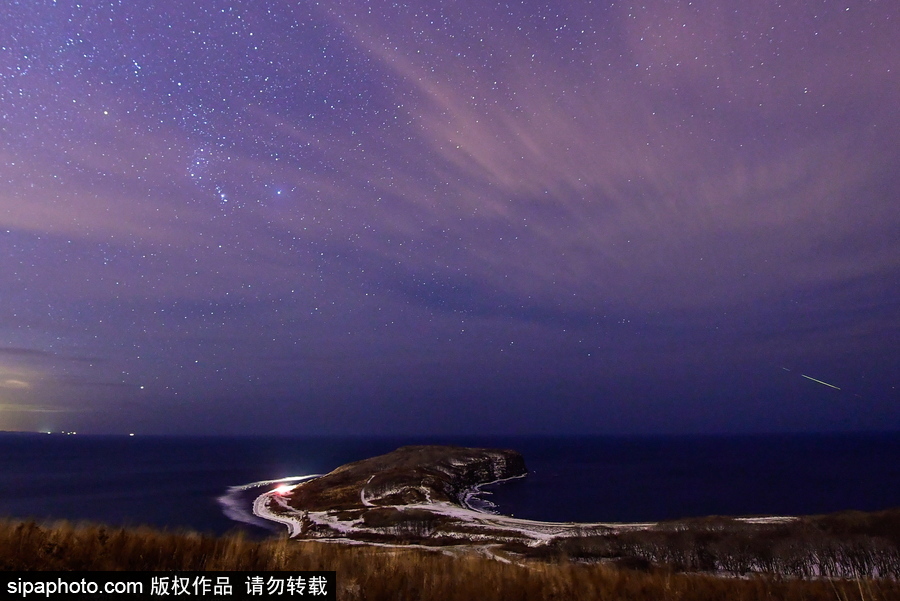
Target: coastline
[(831, 546), (538, 532), (234, 508), (412, 505), (476, 491)]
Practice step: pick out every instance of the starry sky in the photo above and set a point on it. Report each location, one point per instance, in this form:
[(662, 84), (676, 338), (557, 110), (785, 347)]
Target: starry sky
[(459, 217)]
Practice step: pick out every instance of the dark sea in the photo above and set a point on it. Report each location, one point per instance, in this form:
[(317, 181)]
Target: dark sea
[(208, 484)]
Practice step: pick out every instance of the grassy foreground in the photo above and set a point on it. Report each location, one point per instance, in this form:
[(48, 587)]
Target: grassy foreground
[(376, 573)]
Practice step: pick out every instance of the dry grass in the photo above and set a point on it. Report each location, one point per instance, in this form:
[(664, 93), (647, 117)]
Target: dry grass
[(839, 545), (396, 574)]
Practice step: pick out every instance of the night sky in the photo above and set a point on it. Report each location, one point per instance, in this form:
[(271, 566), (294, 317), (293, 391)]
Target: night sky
[(469, 217)]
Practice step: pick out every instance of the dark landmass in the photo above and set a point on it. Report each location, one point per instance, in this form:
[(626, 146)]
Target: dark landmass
[(418, 495), (414, 494), (408, 476)]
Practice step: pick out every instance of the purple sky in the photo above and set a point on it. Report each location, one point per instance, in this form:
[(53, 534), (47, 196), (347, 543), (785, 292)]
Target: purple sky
[(449, 217)]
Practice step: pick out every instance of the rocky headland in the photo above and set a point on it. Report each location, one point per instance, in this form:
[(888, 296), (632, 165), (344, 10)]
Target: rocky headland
[(423, 495), (410, 475), (416, 494)]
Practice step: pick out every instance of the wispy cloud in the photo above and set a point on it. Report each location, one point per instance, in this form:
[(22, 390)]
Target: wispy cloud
[(576, 194), (14, 383), (24, 408)]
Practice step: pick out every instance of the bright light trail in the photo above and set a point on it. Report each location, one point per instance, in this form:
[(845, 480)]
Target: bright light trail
[(820, 382)]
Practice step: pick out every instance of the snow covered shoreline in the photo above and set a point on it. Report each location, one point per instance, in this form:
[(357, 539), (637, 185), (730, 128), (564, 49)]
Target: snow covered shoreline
[(483, 526), (272, 506), (429, 496), (469, 520)]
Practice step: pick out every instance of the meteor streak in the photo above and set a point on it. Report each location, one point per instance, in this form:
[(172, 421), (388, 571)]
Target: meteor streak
[(820, 382)]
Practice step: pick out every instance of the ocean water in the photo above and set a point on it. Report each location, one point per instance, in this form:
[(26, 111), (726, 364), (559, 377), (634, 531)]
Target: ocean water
[(201, 483)]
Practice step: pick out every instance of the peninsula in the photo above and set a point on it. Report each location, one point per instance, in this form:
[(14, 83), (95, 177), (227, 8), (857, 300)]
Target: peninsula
[(420, 494), (425, 495)]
